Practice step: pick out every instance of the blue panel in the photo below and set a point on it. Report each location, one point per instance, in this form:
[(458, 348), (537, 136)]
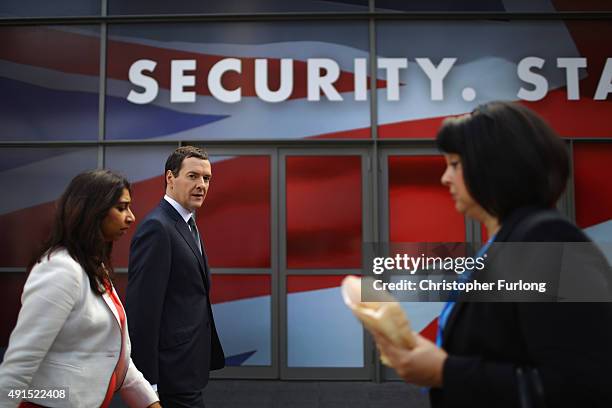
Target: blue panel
[(37, 8), (322, 331), (126, 120), (37, 113), (232, 6), (238, 359), (245, 330), (441, 5)]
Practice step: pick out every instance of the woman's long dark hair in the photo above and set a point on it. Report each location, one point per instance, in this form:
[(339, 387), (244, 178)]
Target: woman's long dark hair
[(78, 220)]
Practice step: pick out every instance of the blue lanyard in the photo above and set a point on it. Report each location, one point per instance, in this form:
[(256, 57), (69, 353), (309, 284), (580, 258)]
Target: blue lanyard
[(448, 307)]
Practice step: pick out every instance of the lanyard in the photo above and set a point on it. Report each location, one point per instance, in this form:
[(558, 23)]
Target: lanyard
[(448, 307)]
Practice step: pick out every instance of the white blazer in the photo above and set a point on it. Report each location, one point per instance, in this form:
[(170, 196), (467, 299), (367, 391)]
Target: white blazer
[(68, 336)]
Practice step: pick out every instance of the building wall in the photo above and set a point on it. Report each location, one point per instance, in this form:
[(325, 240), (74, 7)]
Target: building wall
[(300, 184)]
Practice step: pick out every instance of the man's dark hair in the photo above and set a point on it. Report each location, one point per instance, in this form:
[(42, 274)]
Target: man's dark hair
[(510, 157), (77, 225), (175, 160)]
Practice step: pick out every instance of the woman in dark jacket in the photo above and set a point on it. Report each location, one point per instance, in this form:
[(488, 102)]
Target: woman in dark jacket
[(507, 168)]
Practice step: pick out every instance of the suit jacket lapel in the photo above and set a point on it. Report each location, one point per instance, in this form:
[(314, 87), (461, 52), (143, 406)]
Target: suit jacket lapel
[(503, 234), (206, 267), (111, 306), (183, 229)]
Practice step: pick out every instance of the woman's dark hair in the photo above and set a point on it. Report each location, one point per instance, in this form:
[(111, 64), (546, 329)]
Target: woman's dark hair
[(510, 157), (77, 223)]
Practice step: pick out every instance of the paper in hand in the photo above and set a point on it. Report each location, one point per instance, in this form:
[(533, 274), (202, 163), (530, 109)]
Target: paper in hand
[(386, 317)]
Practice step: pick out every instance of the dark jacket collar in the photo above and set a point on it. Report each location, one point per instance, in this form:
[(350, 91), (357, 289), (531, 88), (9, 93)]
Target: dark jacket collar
[(170, 210), (513, 220), (510, 225)]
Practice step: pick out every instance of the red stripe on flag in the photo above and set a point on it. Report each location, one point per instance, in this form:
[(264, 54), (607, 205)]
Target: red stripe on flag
[(65, 51), (305, 283), (226, 288), (431, 330), (583, 118), (51, 49), (10, 303), (593, 189), (361, 133), (122, 55), (24, 231), (411, 129)]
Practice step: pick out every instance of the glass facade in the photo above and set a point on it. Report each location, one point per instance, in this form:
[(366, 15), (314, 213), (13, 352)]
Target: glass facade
[(559, 71), (236, 81), (324, 212), (34, 177), (52, 75), (319, 119)]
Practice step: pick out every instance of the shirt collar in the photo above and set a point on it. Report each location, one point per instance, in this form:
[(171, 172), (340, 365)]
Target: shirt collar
[(185, 213)]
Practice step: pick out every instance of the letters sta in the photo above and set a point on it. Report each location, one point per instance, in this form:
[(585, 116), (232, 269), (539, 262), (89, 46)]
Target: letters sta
[(528, 68)]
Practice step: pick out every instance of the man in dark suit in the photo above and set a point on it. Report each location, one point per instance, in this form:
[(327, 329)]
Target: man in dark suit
[(173, 334)]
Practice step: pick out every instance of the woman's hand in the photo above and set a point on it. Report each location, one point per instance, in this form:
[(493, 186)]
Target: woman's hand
[(423, 365)]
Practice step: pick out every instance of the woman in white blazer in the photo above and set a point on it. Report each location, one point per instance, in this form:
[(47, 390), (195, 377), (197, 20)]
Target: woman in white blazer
[(71, 333)]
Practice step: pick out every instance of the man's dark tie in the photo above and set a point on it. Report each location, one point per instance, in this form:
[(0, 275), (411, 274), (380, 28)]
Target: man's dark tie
[(194, 232)]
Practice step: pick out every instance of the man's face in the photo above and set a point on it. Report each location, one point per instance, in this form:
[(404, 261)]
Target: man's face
[(190, 186)]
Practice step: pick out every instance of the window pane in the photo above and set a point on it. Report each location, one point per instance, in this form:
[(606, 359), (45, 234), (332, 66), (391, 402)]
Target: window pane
[(11, 287), (420, 208), (440, 5), (231, 6), (37, 8), (593, 188), (234, 221), (32, 179), (495, 69), (321, 330), (324, 213), (51, 75), (495, 6), (206, 111), (143, 166), (242, 307)]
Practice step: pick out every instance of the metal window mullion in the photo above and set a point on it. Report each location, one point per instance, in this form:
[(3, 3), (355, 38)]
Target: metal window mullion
[(305, 16), (102, 94)]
